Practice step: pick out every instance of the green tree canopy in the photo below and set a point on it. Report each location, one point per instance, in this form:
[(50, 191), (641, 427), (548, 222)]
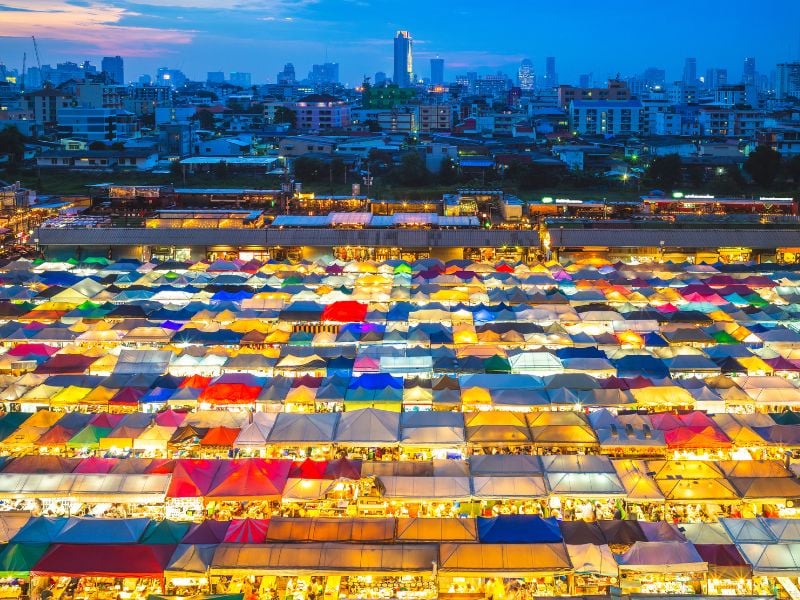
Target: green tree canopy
[(665, 172), (763, 165), (411, 171)]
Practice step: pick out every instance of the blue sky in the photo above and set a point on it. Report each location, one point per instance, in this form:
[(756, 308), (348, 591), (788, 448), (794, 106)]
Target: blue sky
[(259, 36)]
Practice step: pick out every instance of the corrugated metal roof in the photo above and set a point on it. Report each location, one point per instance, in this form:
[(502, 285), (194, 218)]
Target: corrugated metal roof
[(402, 238), (685, 238)]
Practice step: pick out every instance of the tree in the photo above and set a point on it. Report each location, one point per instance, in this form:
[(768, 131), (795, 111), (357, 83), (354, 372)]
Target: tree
[(309, 169), (221, 170), (665, 172), (285, 115), (792, 169), (448, 173), (12, 143), (97, 145), (532, 176), (411, 171), (206, 119), (337, 170), (763, 165), (372, 125)]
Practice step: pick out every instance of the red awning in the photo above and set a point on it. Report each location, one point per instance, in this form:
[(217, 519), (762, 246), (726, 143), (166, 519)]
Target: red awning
[(257, 478), (308, 469), (104, 560), (247, 531), (230, 393), (220, 436), (345, 311), (192, 478), (65, 364)]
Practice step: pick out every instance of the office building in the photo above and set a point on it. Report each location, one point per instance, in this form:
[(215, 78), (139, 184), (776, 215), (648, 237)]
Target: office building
[(287, 76), (113, 69), (615, 90), (653, 77), (380, 78), (690, 71), (550, 75), (216, 77), (437, 71), (403, 62), (787, 83), (240, 79), (324, 73), (171, 77), (586, 80), (715, 78), (526, 75), (749, 71)]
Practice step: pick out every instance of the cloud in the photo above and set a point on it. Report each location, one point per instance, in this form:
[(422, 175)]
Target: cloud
[(92, 25)]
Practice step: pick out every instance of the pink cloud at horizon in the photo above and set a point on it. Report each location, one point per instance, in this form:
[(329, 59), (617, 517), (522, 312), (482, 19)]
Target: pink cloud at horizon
[(95, 26)]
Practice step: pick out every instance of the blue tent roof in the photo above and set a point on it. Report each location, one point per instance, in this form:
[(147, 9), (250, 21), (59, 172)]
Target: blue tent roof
[(376, 381), (518, 529), (78, 530), (40, 530), (634, 365)]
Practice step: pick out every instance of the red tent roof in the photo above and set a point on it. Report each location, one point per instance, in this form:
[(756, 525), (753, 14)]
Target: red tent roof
[(220, 436), (43, 464), (95, 464), (230, 393), (696, 437), (192, 478), (170, 418), (127, 396), (247, 531), (106, 420), (104, 560), (250, 478), (32, 349), (195, 381), (308, 469), (57, 435), (65, 364), (345, 311)]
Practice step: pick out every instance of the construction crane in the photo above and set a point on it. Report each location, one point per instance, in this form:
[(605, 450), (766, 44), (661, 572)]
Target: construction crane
[(38, 61)]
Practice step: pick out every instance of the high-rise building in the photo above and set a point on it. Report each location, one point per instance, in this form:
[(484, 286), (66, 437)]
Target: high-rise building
[(690, 71), (380, 78), (216, 77), (715, 78), (437, 71), (749, 71), (287, 76), (526, 75), (324, 73), (654, 77), (403, 62), (586, 80), (113, 69), (240, 79), (550, 75), (170, 77), (787, 83)]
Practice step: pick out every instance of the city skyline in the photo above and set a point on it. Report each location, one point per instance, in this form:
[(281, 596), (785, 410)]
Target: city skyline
[(259, 37)]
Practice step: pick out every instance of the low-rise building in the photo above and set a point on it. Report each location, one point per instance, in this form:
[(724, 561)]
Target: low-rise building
[(317, 112), (611, 117), (140, 159)]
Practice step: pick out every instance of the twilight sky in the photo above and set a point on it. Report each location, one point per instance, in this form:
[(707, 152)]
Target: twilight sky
[(259, 36)]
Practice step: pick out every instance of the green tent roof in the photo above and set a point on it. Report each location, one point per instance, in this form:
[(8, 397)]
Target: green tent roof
[(17, 560), (88, 436), (164, 532)]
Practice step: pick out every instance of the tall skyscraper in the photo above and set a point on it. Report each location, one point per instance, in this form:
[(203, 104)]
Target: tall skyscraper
[(787, 84), (437, 71), (690, 71), (716, 78), (749, 71), (113, 69), (550, 75), (526, 75), (403, 63)]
